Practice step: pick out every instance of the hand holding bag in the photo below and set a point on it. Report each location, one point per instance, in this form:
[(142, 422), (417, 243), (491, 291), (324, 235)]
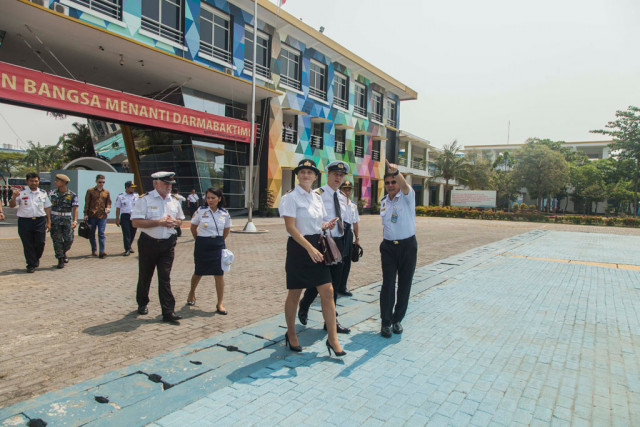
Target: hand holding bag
[(356, 252), (330, 249), (84, 230)]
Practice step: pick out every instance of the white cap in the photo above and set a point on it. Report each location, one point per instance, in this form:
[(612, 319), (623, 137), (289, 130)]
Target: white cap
[(227, 259), (164, 176), (338, 165)]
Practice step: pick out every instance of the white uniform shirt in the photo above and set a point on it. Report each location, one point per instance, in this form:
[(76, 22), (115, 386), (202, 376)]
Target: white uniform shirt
[(306, 208), (353, 211), (193, 198), (180, 197), (211, 224), (153, 206), (32, 204), (399, 215), (126, 201), (329, 205)]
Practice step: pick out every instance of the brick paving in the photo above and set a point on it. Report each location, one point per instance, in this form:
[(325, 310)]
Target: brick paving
[(62, 327)]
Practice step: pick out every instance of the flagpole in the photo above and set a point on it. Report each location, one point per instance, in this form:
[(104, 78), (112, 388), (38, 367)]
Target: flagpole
[(250, 227)]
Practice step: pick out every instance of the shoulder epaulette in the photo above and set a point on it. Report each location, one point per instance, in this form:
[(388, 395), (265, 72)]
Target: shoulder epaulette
[(383, 198), (143, 194), (320, 190), (204, 207), (222, 210), (175, 197), (289, 191), (124, 192)]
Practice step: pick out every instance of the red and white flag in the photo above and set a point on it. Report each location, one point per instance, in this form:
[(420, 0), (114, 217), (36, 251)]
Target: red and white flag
[(280, 4)]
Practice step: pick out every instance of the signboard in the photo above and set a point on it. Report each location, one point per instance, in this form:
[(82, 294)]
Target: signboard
[(39, 89), (473, 198)]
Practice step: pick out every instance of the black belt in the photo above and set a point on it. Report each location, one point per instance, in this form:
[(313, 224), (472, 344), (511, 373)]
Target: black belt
[(397, 242), (145, 235)]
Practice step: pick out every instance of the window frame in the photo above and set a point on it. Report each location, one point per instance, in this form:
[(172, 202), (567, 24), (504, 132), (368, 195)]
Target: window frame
[(263, 70), (315, 92), (340, 145), (317, 141), (159, 29), (357, 146), (376, 106), (285, 80), (357, 108), (211, 50), (392, 107), (339, 101)]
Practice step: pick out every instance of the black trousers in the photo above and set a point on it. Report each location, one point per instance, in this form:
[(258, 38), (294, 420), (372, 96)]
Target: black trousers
[(33, 233), (193, 207), (128, 230), (346, 256), (398, 258), (155, 254), (336, 278)]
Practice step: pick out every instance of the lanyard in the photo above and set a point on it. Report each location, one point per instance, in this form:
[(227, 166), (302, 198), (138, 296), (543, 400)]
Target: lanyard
[(214, 221)]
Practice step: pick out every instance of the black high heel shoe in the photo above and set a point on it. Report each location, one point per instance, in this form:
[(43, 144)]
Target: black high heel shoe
[(297, 348), (330, 347)]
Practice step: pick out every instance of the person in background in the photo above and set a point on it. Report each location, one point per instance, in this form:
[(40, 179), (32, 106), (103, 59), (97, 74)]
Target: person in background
[(157, 214), (182, 200), (351, 229), (303, 212), (194, 201), (34, 219), (124, 206), (398, 250), (64, 217), (210, 227), (97, 205)]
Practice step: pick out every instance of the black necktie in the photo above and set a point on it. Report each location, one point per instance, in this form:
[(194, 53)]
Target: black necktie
[(336, 203)]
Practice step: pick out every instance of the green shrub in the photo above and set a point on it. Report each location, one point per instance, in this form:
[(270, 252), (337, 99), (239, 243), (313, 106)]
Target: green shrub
[(515, 206)]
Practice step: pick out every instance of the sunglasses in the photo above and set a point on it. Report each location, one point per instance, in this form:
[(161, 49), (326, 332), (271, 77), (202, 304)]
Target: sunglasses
[(389, 183), (101, 182)]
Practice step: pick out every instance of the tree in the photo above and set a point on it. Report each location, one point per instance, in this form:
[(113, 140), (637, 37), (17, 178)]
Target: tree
[(10, 163), (54, 157), (588, 186), (78, 144), (35, 155), (541, 170), (450, 165), (507, 187), (479, 171), (625, 131)]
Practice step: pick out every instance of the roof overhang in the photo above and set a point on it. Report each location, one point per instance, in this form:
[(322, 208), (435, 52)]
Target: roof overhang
[(93, 55)]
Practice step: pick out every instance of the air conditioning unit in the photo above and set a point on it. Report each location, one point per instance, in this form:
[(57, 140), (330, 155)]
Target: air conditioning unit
[(60, 8), (39, 2)]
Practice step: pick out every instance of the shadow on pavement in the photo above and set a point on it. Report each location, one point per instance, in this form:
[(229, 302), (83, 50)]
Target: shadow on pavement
[(128, 323), (363, 340)]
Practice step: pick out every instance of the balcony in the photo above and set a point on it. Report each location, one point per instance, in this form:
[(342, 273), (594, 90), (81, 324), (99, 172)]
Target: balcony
[(342, 103), (108, 7), (216, 52), (402, 160), (261, 70), (340, 147), (359, 151), (289, 82), (162, 30), (392, 123), (289, 135), (318, 93), (376, 117), (360, 110), (375, 155), (419, 164), (316, 141)]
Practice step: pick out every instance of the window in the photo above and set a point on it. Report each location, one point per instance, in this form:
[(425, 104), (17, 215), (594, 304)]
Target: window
[(375, 150), (391, 112), (360, 106), (359, 148), (318, 80), (317, 133), (290, 68), (340, 91), (263, 56), (112, 8), (341, 137), (215, 36), (376, 107), (290, 129), (164, 18)]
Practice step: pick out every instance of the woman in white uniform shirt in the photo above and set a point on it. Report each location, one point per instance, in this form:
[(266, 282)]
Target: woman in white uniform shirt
[(210, 227), (303, 212)]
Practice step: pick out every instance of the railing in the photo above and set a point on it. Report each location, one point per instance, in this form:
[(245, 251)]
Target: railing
[(340, 147), (392, 123), (359, 151), (360, 110), (261, 70), (289, 82), (289, 135), (216, 52), (375, 155), (402, 160), (419, 164), (342, 103), (377, 117), (316, 141), (162, 30), (110, 8), (318, 93)]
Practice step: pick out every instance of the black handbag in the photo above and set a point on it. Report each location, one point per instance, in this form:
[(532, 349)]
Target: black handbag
[(330, 250), (356, 252), (84, 229)]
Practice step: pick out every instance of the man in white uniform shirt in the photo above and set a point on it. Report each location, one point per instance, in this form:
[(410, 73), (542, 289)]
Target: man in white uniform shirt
[(351, 230), (194, 200), (398, 250), (157, 214), (335, 203), (124, 206), (34, 219)]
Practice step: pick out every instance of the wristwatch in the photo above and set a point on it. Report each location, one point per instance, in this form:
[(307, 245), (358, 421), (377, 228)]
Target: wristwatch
[(396, 173)]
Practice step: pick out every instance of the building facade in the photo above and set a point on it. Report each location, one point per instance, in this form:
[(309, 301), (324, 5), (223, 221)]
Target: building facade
[(314, 98)]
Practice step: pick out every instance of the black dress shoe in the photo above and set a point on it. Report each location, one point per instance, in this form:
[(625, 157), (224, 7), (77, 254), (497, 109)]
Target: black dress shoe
[(66, 260), (131, 251), (385, 331), (30, 269), (127, 253), (143, 309), (102, 255), (303, 316), (60, 263), (397, 328), (342, 330), (171, 318)]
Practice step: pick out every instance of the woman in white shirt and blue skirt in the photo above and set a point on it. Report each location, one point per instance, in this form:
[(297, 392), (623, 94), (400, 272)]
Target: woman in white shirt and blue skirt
[(210, 227), (303, 213)]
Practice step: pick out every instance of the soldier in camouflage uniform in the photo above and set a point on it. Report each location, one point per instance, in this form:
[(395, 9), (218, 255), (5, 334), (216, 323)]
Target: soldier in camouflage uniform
[(64, 218)]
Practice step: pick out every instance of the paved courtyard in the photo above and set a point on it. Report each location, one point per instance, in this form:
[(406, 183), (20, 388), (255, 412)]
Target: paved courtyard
[(495, 334)]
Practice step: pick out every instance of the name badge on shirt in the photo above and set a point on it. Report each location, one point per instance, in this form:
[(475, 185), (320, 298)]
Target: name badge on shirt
[(154, 207), (205, 225), (394, 216)]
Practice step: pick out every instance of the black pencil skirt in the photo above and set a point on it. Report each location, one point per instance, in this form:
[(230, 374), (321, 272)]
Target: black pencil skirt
[(207, 255), (301, 271)]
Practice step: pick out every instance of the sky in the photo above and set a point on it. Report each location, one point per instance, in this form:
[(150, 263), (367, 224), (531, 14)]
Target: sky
[(486, 72)]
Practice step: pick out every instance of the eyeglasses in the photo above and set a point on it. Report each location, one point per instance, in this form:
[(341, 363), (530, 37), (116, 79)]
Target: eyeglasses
[(389, 183), (101, 182)]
